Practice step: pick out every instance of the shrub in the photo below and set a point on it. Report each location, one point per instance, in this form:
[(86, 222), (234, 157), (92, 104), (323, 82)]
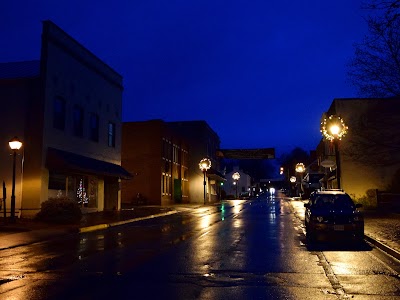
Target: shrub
[(60, 210), (368, 200)]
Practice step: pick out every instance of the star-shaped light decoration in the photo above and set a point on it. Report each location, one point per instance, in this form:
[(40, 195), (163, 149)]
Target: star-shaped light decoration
[(333, 128)]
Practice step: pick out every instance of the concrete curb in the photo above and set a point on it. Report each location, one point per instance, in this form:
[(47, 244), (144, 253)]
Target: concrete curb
[(105, 226), (383, 247)]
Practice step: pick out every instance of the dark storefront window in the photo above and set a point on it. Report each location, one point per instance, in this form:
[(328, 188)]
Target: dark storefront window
[(78, 121), (80, 188), (57, 182)]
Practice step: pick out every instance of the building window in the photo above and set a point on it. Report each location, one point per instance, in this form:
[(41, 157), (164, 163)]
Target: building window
[(59, 113), (166, 184), (57, 182), (175, 154), (78, 121), (167, 150), (111, 134), (94, 127), (184, 160)]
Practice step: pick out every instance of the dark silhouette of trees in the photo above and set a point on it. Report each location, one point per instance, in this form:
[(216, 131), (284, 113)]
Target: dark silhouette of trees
[(375, 68), (289, 160), (375, 139), (256, 168)]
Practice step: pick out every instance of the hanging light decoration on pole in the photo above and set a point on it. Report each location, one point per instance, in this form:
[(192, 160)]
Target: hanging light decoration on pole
[(236, 177), (334, 129), (204, 165)]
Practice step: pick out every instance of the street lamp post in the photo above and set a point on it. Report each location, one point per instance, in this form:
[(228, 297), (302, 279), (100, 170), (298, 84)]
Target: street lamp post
[(292, 185), (204, 165), (334, 129), (15, 144), (236, 177), (300, 168)]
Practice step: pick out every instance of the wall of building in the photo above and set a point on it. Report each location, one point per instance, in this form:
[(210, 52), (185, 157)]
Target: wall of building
[(73, 73), (242, 185), (141, 156), (202, 142), (76, 75), (70, 71), (17, 119), (181, 168), (368, 158)]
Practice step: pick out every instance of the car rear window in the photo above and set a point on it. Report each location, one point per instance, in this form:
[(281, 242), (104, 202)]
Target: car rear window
[(336, 201)]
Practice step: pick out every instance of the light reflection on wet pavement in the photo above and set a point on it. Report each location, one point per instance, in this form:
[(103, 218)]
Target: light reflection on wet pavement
[(239, 250)]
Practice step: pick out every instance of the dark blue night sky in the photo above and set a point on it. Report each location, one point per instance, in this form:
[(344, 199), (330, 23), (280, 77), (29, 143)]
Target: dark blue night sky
[(261, 73)]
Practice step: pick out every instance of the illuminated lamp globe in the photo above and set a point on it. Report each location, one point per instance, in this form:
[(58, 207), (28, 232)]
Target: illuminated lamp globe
[(333, 128), (236, 176), (205, 164), (15, 143), (300, 168)]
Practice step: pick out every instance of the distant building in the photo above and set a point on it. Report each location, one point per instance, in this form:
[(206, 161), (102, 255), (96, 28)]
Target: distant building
[(369, 153), (202, 142), (241, 187), (158, 158), (66, 109), (164, 158)]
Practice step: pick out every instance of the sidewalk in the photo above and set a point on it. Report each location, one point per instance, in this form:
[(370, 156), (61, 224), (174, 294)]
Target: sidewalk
[(381, 228)]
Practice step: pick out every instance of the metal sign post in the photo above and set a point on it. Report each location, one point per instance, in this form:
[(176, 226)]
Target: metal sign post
[(4, 200)]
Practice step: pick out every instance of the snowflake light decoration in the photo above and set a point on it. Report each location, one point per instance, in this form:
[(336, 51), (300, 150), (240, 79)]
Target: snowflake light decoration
[(333, 128), (205, 164), (300, 168)]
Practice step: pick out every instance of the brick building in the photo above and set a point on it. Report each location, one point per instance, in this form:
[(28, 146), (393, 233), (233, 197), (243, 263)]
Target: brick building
[(164, 159)]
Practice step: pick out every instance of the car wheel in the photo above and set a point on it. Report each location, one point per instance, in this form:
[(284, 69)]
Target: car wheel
[(359, 236)]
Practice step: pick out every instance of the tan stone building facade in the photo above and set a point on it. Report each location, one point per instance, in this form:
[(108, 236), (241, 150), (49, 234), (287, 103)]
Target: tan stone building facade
[(66, 109), (369, 153)]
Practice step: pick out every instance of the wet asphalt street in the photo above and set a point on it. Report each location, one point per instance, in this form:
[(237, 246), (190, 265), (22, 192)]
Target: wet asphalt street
[(238, 250)]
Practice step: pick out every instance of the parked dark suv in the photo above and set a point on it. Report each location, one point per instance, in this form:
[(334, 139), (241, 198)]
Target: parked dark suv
[(333, 214)]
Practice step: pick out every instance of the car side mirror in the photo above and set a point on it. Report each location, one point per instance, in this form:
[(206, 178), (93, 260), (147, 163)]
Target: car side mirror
[(358, 205), (306, 205)]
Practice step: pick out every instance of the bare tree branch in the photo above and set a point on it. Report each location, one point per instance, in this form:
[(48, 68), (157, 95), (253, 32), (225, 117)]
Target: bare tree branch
[(375, 68), (375, 140)]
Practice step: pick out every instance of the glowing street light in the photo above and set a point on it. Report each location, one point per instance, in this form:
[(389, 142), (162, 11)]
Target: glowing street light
[(15, 144), (334, 129), (204, 165), (300, 168), (236, 177)]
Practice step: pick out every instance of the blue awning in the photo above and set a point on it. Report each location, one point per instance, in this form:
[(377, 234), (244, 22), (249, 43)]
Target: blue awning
[(67, 161)]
